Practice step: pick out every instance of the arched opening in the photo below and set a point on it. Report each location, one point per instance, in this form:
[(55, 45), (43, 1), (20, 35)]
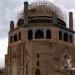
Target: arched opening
[(60, 35), (30, 35), (37, 72), (48, 34), (39, 34), (37, 63), (15, 37), (19, 35), (65, 37), (38, 55), (10, 39), (70, 38)]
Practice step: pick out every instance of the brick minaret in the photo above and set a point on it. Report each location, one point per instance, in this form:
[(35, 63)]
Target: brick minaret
[(71, 21), (11, 25), (25, 12)]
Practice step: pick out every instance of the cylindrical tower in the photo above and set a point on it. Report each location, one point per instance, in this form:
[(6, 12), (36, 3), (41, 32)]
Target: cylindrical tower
[(25, 12), (11, 25), (71, 21)]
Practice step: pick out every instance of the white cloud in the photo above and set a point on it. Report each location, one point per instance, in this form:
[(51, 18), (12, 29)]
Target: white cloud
[(3, 51)]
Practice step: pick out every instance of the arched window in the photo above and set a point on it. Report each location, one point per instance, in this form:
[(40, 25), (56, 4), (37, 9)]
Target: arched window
[(38, 55), (19, 35), (39, 34), (10, 39), (30, 35), (65, 37), (70, 38), (37, 72), (37, 63), (15, 37), (60, 35), (48, 34)]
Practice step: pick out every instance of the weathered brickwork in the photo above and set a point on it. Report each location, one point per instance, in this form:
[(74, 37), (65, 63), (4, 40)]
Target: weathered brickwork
[(41, 44)]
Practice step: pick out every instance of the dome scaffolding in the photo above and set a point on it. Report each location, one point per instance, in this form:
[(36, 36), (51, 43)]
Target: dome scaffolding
[(48, 4)]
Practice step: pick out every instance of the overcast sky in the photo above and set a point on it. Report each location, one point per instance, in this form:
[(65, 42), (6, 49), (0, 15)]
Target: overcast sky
[(9, 10)]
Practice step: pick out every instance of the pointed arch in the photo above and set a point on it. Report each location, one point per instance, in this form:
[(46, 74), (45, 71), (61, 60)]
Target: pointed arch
[(48, 34), (37, 72), (39, 34), (15, 37), (30, 35), (65, 37)]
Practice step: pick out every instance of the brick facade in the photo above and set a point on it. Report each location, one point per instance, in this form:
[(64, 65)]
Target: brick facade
[(41, 44)]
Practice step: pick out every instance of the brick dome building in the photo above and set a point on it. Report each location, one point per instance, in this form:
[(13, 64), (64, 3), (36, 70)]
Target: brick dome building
[(41, 44)]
